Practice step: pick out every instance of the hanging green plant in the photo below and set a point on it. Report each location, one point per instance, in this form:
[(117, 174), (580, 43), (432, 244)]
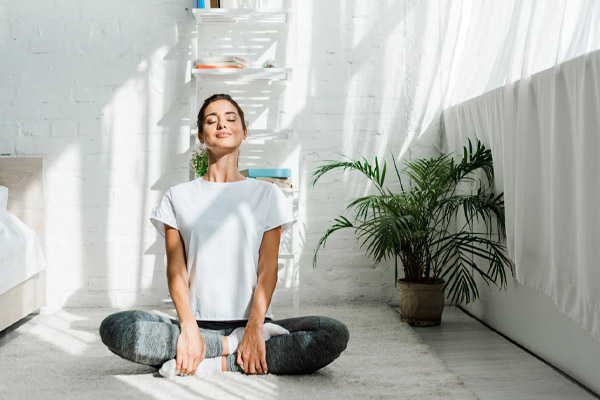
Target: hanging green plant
[(200, 161)]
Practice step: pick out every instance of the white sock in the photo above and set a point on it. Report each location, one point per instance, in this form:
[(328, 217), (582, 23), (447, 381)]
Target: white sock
[(269, 330), (208, 365), (234, 339)]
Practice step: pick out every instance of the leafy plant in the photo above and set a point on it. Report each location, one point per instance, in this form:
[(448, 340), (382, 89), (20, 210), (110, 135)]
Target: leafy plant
[(417, 225), (200, 161)]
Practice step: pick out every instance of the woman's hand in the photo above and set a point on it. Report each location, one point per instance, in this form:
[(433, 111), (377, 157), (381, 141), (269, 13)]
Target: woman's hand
[(252, 353), (190, 348)]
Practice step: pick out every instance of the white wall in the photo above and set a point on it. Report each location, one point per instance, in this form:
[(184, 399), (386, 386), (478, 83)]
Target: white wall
[(99, 89), (364, 77)]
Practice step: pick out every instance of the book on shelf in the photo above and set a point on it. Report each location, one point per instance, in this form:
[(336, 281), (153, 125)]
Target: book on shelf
[(250, 3), (279, 176), (284, 183), (221, 62), (208, 4), (267, 172)]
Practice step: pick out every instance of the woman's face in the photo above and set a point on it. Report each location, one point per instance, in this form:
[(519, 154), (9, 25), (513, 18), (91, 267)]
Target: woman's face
[(222, 127)]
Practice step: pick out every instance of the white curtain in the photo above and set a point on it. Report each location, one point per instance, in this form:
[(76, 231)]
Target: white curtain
[(487, 44), (544, 131)]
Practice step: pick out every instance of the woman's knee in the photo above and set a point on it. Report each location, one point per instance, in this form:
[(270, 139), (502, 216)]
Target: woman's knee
[(140, 336), (337, 332), (116, 328), (112, 325), (328, 332)]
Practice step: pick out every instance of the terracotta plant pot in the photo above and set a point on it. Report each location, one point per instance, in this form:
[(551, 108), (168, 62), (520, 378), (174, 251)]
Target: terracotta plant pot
[(421, 304)]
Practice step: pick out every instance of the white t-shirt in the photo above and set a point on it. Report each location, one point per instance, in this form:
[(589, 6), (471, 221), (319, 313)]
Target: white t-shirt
[(222, 226)]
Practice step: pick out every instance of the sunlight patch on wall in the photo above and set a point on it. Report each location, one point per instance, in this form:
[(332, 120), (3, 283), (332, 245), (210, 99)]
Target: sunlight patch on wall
[(134, 144)]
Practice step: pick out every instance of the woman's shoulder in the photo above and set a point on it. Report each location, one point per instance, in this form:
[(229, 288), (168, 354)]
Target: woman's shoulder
[(260, 183), (252, 185), (261, 186), (184, 187)]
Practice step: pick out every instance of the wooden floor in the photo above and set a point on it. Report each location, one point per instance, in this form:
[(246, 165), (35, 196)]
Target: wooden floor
[(494, 367)]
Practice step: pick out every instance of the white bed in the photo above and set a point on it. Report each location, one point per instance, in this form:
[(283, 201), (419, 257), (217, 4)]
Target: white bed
[(22, 266)]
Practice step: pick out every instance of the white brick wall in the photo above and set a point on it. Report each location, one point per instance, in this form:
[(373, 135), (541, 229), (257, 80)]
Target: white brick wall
[(359, 67), (99, 90)]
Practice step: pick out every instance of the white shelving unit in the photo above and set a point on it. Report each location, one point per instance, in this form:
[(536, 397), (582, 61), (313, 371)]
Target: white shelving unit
[(229, 15), (221, 20), (243, 74)]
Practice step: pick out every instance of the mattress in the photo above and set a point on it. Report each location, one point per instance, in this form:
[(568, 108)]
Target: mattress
[(21, 255)]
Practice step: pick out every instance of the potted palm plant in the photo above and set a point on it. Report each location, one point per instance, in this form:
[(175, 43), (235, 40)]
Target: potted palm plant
[(437, 230)]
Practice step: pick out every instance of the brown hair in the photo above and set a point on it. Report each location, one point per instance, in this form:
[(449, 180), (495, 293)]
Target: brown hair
[(212, 99)]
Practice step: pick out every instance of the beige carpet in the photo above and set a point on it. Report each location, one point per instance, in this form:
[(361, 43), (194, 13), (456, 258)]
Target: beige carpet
[(60, 356)]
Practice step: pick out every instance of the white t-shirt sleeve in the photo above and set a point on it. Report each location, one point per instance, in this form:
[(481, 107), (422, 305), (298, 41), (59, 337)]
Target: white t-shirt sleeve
[(164, 213), (279, 211)]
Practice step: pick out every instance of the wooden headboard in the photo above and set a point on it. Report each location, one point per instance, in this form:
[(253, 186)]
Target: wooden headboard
[(24, 178)]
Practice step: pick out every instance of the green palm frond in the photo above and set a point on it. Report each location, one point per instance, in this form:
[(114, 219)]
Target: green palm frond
[(384, 234), (471, 161), (374, 174), (341, 223), (461, 284), (459, 251), (428, 174), (397, 172), (481, 207)]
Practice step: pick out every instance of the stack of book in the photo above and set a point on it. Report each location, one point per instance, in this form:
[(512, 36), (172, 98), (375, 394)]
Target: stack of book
[(225, 4), (279, 176), (209, 3), (221, 62)]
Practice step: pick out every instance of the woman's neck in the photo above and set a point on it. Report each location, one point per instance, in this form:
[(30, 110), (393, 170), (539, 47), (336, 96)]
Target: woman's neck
[(223, 168), (222, 175)]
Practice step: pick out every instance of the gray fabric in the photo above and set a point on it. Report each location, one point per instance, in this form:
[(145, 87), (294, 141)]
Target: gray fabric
[(313, 343), (149, 339)]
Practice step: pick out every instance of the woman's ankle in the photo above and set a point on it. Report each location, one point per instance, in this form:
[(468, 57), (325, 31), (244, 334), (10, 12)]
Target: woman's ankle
[(225, 345)]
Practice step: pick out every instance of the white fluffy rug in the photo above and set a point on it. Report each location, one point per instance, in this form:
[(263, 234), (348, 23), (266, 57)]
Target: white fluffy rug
[(60, 356)]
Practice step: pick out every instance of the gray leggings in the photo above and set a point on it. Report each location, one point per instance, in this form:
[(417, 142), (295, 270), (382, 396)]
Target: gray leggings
[(149, 339)]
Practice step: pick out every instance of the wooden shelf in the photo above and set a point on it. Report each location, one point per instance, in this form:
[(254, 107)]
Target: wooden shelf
[(242, 74), (237, 15)]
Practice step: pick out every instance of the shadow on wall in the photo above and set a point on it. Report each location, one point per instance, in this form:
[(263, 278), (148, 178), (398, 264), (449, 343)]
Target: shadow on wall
[(366, 84), (368, 87), (139, 151)]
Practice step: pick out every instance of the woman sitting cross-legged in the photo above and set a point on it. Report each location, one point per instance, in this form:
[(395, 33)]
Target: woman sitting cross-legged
[(222, 234)]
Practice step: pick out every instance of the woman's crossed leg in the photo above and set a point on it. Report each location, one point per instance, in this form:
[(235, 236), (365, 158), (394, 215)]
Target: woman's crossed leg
[(145, 338)]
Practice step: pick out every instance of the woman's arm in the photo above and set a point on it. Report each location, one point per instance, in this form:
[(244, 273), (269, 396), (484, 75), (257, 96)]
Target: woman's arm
[(190, 345), (252, 352)]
